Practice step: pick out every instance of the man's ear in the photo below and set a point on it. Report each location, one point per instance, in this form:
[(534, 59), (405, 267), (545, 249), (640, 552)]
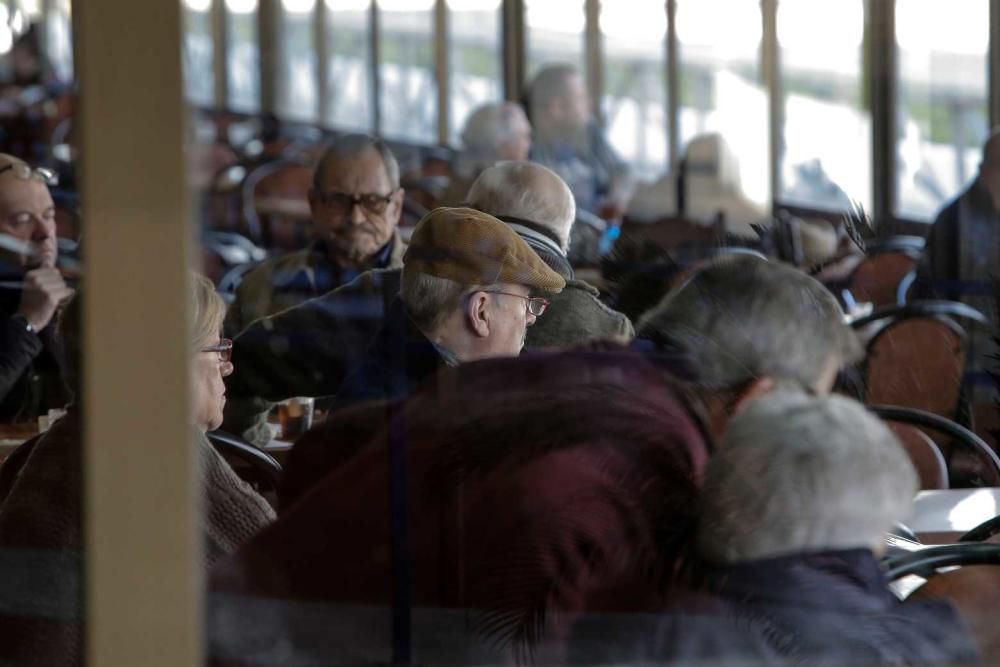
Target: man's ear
[(478, 315), (750, 393)]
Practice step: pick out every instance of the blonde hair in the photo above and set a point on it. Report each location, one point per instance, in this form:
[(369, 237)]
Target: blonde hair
[(207, 312)]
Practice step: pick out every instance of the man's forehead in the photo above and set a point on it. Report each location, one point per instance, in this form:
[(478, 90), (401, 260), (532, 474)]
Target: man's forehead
[(361, 171), (23, 193)]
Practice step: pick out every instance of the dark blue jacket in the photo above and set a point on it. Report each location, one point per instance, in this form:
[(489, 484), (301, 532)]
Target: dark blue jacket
[(824, 608)]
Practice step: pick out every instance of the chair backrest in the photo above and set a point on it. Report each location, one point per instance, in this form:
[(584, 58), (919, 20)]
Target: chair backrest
[(946, 430), (276, 204), (924, 454), (264, 469), (916, 362), (877, 278)]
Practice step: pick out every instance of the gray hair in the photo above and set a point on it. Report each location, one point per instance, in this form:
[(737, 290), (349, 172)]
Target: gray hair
[(491, 125), (741, 318), (798, 473), (528, 191), (351, 145), (429, 299), (548, 85)]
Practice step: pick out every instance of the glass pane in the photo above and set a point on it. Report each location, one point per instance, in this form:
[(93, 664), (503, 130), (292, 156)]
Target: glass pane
[(298, 98), (476, 59), (243, 57), (406, 70), (827, 129), (943, 117), (554, 30), (59, 39), (349, 69), (635, 98), (721, 89), (199, 50)]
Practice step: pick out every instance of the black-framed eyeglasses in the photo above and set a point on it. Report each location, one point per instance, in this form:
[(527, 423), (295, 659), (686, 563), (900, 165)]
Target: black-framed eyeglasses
[(341, 203), (536, 305), (224, 348), (25, 172)]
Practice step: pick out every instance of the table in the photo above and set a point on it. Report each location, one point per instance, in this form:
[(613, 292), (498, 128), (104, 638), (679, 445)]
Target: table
[(953, 510)]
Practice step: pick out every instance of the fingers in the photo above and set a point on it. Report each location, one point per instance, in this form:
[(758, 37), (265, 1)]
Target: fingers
[(49, 281)]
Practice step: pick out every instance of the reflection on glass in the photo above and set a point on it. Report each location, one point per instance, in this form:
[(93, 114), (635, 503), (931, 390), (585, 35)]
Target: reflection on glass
[(297, 94), (943, 118), (721, 89), (348, 70), (634, 100), (243, 56), (199, 50), (826, 138), (59, 39), (554, 30), (475, 58), (406, 70)]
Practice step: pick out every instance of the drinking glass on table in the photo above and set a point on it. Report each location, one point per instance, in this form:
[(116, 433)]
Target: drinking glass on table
[(295, 416)]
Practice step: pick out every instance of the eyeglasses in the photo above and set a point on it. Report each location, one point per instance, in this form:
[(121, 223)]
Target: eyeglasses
[(26, 172), (341, 203), (224, 348), (535, 304)]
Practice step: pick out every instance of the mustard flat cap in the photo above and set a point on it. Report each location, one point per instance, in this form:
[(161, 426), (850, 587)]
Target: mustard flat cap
[(474, 248)]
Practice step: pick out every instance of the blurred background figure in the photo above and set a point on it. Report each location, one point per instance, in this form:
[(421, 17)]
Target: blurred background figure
[(493, 133), (568, 140), (713, 188), (962, 256)]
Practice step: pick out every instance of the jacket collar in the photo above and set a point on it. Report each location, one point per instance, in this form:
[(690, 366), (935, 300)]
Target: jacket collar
[(849, 579)]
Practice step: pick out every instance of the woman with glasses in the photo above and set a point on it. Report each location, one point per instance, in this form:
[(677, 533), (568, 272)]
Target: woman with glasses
[(41, 502)]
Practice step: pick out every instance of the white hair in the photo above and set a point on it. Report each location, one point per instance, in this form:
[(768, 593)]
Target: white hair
[(798, 473), (490, 126), (430, 300), (528, 191), (741, 318)]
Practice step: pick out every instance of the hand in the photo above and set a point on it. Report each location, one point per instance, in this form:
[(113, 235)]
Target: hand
[(44, 289)]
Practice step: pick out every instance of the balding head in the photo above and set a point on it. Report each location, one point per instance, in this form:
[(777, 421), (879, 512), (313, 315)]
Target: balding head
[(496, 132), (26, 212), (527, 191), (558, 101)]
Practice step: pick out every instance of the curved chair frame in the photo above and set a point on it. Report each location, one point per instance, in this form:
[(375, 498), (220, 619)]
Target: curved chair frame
[(259, 460), (959, 433), (926, 562)]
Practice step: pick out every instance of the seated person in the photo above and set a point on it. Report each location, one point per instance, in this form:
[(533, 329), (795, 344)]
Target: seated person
[(568, 141), (793, 514), (306, 350), (732, 318), (961, 258), (493, 133), (536, 488), (31, 381), (356, 202), (538, 205), (41, 530), (459, 264)]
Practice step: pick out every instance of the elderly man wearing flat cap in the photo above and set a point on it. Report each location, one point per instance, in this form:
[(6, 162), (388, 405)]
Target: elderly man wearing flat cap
[(465, 294)]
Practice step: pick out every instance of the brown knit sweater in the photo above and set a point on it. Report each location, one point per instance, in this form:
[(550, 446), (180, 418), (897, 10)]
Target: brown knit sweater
[(41, 543)]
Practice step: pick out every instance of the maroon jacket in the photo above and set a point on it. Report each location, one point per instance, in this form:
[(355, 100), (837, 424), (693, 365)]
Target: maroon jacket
[(537, 489)]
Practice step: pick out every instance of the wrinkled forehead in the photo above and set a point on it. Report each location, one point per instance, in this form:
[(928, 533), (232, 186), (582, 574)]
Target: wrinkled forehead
[(360, 173)]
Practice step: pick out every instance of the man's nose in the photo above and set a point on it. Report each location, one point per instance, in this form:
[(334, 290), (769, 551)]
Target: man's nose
[(356, 215), (41, 231)]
